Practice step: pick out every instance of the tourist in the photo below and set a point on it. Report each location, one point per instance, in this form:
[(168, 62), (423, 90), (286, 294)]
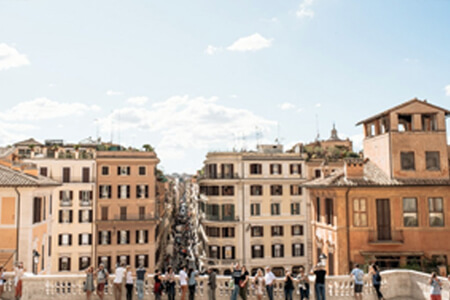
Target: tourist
[(376, 280), (303, 283), (243, 283), (2, 280), (157, 287), (102, 279), (170, 283), (192, 283), (211, 284), (118, 280), (140, 278), (319, 286), (18, 274), (258, 281), (436, 286), (358, 276), (183, 283), (288, 286), (236, 278), (269, 281), (129, 283), (89, 284)]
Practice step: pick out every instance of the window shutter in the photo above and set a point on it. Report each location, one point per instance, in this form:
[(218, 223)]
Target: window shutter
[(118, 170), (273, 250), (293, 250), (118, 237), (109, 239), (90, 238), (109, 191), (223, 252), (232, 253), (69, 265), (280, 169), (223, 211), (100, 192), (138, 194), (271, 169), (282, 230), (136, 261), (90, 195), (146, 191), (128, 239), (71, 195), (61, 195), (128, 191), (262, 251), (60, 264), (60, 216), (118, 191), (80, 264), (70, 216), (59, 240), (301, 229), (90, 216), (128, 170), (80, 195), (282, 251), (146, 236), (299, 169)]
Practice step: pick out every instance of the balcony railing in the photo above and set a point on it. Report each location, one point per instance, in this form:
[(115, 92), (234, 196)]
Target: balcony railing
[(65, 203), (394, 236), (85, 202), (221, 219), (220, 176), (133, 217)]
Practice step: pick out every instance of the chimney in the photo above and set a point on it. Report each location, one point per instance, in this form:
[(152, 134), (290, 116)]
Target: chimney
[(354, 168)]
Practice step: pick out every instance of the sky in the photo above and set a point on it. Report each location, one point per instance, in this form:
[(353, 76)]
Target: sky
[(190, 77)]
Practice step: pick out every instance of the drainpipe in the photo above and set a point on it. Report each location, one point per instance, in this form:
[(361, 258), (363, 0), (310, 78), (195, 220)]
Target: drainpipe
[(347, 219), (18, 223)]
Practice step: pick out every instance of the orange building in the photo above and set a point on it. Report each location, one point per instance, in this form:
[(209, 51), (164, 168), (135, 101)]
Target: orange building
[(392, 207)]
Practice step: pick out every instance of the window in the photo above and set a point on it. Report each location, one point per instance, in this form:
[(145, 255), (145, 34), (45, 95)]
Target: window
[(123, 237), (258, 251), (295, 209), (228, 212), (255, 169), (65, 198), (212, 211), (84, 262), (141, 260), (405, 123), (211, 171), (123, 213), (429, 122), (329, 211), (228, 232), (255, 209), (142, 170), (213, 231), (296, 189), (276, 190), (123, 259), (410, 212), (50, 245), (65, 216), (433, 160), (277, 250), (407, 161), (65, 239), (84, 239), (228, 190), (257, 231), (66, 174), (105, 191), (275, 169), (37, 210), (317, 173), (85, 198), (142, 191), (43, 171), (318, 212), (86, 174), (104, 215), (105, 170), (227, 170), (295, 169), (436, 209), (85, 216), (275, 209), (359, 212), (64, 264), (296, 230), (277, 230), (256, 190), (105, 237), (209, 190), (123, 170), (123, 191), (228, 252), (298, 250), (141, 236), (214, 252), (141, 212)]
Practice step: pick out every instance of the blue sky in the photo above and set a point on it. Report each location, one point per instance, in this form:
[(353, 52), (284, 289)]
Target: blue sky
[(195, 76)]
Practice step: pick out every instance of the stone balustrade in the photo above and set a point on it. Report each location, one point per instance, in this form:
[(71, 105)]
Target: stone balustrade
[(396, 284)]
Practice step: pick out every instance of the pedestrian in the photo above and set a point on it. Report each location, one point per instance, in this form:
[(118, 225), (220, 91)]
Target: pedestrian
[(192, 283), (236, 278), (211, 284), (243, 283), (303, 284), (18, 274), (102, 279), (129, 283), (258, 281), (89, 284), (140, 278), (436, 286), (118, 280), (319, 286), (376, 280), (269, 281), (157, 287), (183, 283), (288, 285), (170, 283), (2, 280), (358, 276)]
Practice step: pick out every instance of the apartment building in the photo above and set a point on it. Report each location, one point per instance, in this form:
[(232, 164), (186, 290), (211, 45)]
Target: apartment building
[(392, 206), (126, 218), (253, 210)]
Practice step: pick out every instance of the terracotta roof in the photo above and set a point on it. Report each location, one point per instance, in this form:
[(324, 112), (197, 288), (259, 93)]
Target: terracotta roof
[(28, 142), (12, 178), (447, 112), (373, 176)]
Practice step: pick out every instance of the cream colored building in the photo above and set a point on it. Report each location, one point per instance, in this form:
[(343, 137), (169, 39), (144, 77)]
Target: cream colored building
[(254, 211)]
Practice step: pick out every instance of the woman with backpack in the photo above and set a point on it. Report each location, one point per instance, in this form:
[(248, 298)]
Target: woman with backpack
[(376, 280)]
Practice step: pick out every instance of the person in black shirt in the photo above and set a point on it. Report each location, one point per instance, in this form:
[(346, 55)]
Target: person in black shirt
[(288, 286), (236, 276), (319, 285), (243, 283)]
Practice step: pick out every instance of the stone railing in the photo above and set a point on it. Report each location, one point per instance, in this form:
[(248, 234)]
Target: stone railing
[(396, 284)]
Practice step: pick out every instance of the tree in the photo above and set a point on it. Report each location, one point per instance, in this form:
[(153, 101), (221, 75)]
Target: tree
[(148, 148)]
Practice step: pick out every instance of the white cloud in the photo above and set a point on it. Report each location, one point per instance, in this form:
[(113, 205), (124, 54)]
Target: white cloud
[(318, 105), (188, 123), (357, 140), (252, 42), (287, 106), (13, 132), (43, 109), (137, 100), (11, 58), (304, 10), (234, 96), (211, 50), (113, 93), (50, 85), (447, 90)]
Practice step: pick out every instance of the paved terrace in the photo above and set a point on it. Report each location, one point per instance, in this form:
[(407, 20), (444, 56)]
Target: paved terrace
[(396, 284)]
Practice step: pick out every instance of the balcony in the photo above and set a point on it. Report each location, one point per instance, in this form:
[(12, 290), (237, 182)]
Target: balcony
[(219, 176), (134, 217), (392, 237), (396, 285), (216, 218), (65, 203), (85, 202)]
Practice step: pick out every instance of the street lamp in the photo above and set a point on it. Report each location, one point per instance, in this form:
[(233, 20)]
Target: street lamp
[(35, 261)]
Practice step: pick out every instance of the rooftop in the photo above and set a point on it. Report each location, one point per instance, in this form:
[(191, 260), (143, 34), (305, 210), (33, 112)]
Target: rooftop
[(13, 178)]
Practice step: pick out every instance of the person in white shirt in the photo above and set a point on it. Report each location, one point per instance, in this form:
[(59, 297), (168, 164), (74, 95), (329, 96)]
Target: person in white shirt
[(119, 276), (183, 283), (268, 279)]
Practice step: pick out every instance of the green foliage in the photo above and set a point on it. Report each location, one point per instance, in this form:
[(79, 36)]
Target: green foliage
[(148, 148)]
